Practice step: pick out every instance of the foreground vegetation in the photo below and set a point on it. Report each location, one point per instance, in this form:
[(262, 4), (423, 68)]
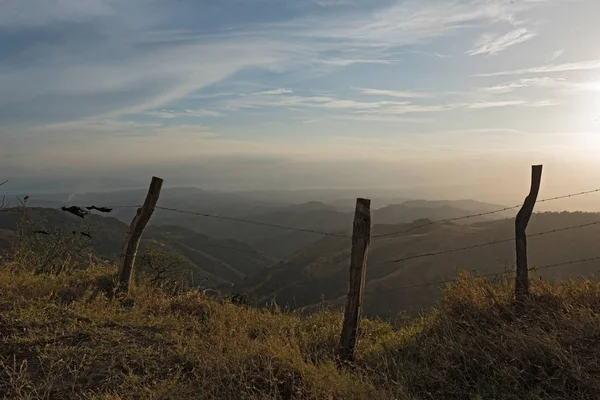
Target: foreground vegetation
[(64, 336)]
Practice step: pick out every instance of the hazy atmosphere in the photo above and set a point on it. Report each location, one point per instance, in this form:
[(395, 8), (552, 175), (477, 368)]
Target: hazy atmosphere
[(300, 199), (445, 98)]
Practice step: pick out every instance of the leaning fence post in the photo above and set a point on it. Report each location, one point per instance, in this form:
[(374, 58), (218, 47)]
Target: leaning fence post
[(522, 281), (361, 236), (132, 240)]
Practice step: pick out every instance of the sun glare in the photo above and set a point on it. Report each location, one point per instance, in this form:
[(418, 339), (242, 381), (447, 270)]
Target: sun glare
[(591, 140)]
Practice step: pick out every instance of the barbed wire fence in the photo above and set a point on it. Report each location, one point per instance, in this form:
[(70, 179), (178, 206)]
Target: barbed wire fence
[(361, 238), (489, 275), (84, 211)]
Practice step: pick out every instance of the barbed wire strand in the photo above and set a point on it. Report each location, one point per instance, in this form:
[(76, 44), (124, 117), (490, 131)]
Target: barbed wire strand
[(235, 219), (378, 236), (566, 196), (199, 214), (219, 246), (481, 214), (237, 249), (481, 244), (532, 269), (441, 221)]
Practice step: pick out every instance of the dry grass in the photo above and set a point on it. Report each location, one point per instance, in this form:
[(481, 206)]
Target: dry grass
[(63, 337)]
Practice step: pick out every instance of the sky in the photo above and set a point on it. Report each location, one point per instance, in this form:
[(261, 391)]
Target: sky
[(457, 96)]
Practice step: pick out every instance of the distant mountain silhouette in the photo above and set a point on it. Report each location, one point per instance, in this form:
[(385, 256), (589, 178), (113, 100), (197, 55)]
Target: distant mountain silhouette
[(329, 214)]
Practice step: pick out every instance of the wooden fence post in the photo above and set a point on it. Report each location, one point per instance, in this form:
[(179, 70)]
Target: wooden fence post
[(361, 236), (522, 281), (132, 240)]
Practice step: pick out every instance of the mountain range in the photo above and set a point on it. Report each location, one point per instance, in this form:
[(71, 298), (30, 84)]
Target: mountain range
[(330, 213), (302, 269)]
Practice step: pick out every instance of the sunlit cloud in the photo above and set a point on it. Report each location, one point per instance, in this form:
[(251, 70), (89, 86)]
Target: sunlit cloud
[(544, 103), (573, 66), (524, 83), (493, 45)]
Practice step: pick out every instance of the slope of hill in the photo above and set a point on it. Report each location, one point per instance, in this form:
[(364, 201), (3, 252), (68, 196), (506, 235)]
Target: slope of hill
[(63, 337), (321, 270), (208, 258)]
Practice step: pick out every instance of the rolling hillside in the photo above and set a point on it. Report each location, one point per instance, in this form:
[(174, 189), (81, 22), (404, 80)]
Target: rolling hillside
[(321, 270), (318, 270), (208, 258)]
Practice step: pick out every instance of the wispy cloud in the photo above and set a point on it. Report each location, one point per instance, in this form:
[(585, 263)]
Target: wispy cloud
[(168, 114), (111, 128), (269, 66), (330, 3), (363, 140), (325, 102), (369, 110), (523, 83), (573, 66), (340, 62), (485, 132), (276, 91), (494, 104), (395, 93), (556, 55), (20, 14), (544, 103), (492, 45), (411, 21), (559, 85), (583, 86), (400, 109), (383, 118), (104, 69)]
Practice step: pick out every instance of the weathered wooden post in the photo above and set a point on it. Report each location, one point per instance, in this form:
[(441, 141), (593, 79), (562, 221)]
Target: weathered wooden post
[(132, 240), (361, 236), (522, 281)]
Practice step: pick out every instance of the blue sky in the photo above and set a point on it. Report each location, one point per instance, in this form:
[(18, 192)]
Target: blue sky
[(305, 93)]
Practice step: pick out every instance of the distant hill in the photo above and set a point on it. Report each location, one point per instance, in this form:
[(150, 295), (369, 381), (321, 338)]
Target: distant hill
[(411, 211), (467, 204), (328, 213), (320, 271), (208, 258)]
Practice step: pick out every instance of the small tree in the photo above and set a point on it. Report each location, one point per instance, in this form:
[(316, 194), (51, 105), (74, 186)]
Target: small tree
[(45, 252), (164, 269)]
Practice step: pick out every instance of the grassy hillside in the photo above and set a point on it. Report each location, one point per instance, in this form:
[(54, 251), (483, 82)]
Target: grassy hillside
[(320, 271), (207, 258), (63, 337)]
